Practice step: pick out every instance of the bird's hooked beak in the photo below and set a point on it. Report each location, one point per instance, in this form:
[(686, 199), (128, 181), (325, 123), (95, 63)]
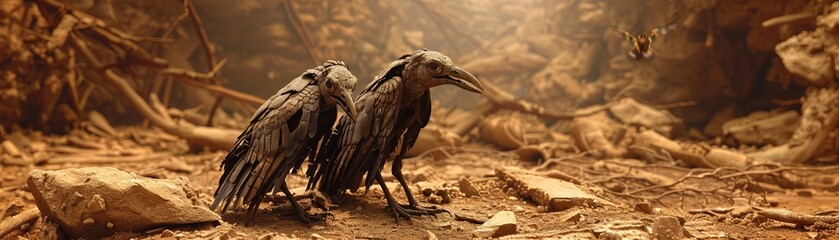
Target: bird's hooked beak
[(347, 103), (463, 79)]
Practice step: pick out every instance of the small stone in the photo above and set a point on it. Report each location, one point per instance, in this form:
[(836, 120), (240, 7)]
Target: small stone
[(644, 207), (741, 211), (88, 221), (518, 209), (12, 208), (167, 233), (615, 187), (445, 225), (427, 188), (445, 194), (110, 225), (511, 198), (467, 188), (501, 224), (433, 198), (96, 204), (667, 228), (431, 235), (571, 216), (804, 193), (268, 236), (316, 236), (757, 219), (511, 192), (609, 236)]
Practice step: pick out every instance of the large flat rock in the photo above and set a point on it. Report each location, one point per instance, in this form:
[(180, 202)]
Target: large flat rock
[(98, 201), (555, 194)]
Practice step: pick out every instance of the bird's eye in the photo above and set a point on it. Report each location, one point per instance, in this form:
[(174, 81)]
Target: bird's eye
[(434, 66), (329, 84)]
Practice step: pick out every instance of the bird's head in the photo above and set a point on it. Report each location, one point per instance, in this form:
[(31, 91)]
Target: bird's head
[(336, 83), (432, 68)]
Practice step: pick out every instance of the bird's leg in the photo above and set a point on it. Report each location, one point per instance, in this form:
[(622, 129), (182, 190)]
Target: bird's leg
[(392, 204), (304, 216), (250, 214), (396, 170)]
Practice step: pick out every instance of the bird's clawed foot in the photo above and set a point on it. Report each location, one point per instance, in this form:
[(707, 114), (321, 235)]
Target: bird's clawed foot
[(407, 210), (431, 211)]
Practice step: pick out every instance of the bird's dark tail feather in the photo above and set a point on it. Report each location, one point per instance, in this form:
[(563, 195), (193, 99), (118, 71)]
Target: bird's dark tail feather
[(233, 167)]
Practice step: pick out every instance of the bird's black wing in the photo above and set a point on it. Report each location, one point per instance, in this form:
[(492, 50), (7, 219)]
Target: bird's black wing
[(356, 149), (421, 114), (279, 137)]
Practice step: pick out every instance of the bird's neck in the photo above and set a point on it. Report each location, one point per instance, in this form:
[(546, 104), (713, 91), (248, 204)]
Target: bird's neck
[(326, 104), (413, 90)]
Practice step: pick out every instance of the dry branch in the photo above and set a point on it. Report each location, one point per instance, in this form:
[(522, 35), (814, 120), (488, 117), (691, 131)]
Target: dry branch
[(195, 136), (137, 55), (14, 223), (790, 18), (208, 51), (788, 216), (301, 31)]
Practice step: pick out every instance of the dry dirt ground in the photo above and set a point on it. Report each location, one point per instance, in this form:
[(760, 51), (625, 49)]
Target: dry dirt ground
[(361, 215)]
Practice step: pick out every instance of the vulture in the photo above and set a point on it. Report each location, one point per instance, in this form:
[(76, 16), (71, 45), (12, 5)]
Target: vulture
[(282, 133), (391, 112)]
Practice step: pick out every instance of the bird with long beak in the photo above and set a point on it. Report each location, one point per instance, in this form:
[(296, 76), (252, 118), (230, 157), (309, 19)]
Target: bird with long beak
[(391, 112), (282, 133)]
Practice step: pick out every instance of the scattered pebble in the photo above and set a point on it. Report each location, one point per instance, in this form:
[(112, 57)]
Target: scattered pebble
[(501, 224), (431, 235), (167, 233), (804, 193), (445, 225), (467, 187), (574, 215), (644, 207), (667, 228)]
